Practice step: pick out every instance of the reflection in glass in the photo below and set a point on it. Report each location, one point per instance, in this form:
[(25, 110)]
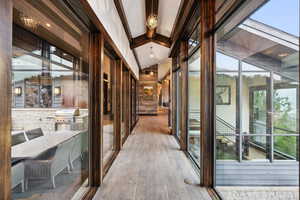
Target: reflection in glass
[(178, 102), (264, 108), (49, 128), (194, 86), (108, 108)]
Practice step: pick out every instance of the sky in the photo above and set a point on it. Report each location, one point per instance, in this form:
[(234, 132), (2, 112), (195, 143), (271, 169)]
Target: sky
[(281, 14)]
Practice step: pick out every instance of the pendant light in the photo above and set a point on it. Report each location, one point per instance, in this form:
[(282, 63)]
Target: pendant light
[(152, 20)]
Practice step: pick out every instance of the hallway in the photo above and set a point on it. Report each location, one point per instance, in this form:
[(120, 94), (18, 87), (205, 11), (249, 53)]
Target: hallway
[(151, 167)]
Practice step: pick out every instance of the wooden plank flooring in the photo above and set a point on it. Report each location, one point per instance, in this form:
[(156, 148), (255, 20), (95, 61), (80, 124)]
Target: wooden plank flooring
[(151, 167)]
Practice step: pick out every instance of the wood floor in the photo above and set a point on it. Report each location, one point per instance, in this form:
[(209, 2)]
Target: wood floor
[(151, 167)]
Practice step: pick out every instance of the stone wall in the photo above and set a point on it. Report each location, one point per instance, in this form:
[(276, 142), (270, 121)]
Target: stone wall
[(31, 118)]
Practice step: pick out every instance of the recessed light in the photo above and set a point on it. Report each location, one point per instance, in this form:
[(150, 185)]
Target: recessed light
[(48, 25)]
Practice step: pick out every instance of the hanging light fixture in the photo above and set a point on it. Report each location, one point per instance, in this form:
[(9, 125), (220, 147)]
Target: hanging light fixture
[(151, 53), (152, 20)]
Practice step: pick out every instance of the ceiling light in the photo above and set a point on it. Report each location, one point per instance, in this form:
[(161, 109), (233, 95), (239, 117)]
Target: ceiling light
[(48, 25), (151, 73), (283, 54), (152, 21), (151, 53)]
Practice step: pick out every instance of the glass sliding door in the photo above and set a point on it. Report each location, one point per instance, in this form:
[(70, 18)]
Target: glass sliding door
[(109, 138), (178, 102), (125, 120), (50, 96), (194, 100), (133, 102), (257, 104)]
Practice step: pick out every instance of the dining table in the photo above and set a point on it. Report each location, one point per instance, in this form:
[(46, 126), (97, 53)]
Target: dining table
[(37, 146)]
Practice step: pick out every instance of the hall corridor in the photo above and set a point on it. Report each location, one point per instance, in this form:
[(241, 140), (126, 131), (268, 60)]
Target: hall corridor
[(151, 167)]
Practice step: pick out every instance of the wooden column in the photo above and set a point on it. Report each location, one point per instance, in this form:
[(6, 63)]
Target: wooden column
[(184, 92), (173, 101), (207, 10), (96, 108), (118, 107), (5, 97)]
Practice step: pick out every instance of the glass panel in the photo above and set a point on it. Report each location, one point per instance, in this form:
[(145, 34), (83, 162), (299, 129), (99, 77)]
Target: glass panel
[(255, 109), (194, 40), (226, 63), (194, 86), (227, 146), (124, 104), (178, 102), (49, 104), (108, 109), (227, 142), (256, 147), (285, 98), (266, 48)]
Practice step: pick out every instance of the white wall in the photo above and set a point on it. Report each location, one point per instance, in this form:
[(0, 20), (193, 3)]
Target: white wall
[(109, 17), (164, 68)]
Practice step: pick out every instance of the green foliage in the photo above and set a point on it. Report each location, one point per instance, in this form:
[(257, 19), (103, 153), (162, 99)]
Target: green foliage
[(283, 119)]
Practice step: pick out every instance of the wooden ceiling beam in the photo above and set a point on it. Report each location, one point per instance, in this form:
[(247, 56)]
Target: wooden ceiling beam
[(122, 15), (139, 41), (151, 8), (143, 39), (162, 40)]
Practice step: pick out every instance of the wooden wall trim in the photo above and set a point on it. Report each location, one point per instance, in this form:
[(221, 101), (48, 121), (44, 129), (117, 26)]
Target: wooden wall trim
[(184, 91), (5, 97), (207, 39), (118, 107), (96, 108), (173, 101)]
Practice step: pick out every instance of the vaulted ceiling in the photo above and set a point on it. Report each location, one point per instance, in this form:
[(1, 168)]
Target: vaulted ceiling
[(133, 15)]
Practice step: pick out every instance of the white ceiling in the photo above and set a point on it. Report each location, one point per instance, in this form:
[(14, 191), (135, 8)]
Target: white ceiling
[(167, 12), (143, 54), (135, 12), (136, 17)]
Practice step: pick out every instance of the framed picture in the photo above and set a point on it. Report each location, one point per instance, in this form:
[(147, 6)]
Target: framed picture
[(148, 93), (223, 95)]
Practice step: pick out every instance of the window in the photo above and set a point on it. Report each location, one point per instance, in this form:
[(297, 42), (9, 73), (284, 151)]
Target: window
[(49, 104), (257, 90), (109, 92), (194, 101)]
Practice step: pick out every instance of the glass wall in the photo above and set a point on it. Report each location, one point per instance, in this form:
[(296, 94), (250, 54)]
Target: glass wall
[(109, 139), (194, 100), (49, 103), (257, 109), (125, 95), (133, 101), (194, 85), (178, 85)]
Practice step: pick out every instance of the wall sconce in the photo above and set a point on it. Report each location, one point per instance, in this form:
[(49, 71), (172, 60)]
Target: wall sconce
[(57, 91), (18, 91)]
